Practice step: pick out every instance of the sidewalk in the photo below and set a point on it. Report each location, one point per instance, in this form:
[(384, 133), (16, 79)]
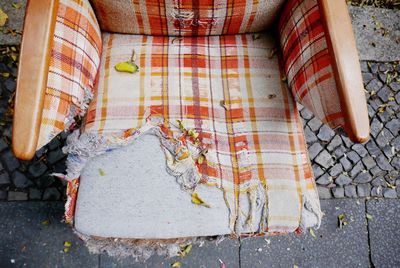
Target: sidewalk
[(32, 235), (361, 182)]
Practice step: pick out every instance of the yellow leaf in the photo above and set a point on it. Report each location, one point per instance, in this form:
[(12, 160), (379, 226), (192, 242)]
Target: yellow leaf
[(295, 266), (66, 250), (176, 264), (181, 126), (200, 160), (284, 79), (193, 133), (102, 173), (198, 201), (5, 75), (312, 233), (391, 99), (16, 5), (127, 67), (368, 216), (185, 250), (67, 244), (3, 18), (46, 222), (13, 56)]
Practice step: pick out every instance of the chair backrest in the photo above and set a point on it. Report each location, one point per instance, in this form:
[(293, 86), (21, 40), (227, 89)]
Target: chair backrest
[(185, 17)]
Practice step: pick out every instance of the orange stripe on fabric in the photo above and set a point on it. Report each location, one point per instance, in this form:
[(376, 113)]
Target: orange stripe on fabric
[(105, 90)]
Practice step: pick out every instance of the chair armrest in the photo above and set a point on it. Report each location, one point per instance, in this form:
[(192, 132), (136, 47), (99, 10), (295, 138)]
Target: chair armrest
[(60, 57), (322, 65), (346, 67), (34, 60)]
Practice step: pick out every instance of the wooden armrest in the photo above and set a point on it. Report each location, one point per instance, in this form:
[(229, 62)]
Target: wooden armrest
[(40, 18), (346, 67)]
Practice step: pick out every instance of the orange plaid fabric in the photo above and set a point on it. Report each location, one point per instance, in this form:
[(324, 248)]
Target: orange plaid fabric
[(75, 58), (185, 17), (228, 88), (307, 61)]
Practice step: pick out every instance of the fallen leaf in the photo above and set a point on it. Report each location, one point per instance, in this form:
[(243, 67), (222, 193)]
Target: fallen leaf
[(198, 201), (66, 250), (284, 78), (102, 173), (67, 244), (193, 133), (200, 160), (295, 266), (127, 67), (3, 18), (391, 99), (176, 264), (5, 75), (16, 5), (312, 233), (256, 36), (185, 250), (271, 96), (46, 222), (368, 216), (342, 220)]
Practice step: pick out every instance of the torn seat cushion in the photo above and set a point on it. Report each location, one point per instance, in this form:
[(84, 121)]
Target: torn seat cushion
[(256, 176)]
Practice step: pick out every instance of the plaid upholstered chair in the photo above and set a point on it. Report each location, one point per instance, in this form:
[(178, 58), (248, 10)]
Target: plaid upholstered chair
[(190, 122)]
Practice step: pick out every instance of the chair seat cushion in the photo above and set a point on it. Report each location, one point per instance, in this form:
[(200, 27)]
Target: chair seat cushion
[(221, 97)]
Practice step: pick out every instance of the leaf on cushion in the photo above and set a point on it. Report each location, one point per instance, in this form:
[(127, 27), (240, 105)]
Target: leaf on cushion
[(102, 173), (16, 5), (3, 18), (127, 67), (198, 201)]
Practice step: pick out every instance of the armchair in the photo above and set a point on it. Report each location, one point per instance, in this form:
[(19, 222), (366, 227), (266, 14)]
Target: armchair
[(213, 106)]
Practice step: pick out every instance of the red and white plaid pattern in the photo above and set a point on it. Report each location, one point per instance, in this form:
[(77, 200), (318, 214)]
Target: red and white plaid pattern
[(307, 61), (185, 17), (75, 57), (227, 88)]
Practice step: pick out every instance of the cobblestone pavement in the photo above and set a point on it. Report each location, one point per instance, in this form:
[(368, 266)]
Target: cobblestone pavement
[(341, 168)]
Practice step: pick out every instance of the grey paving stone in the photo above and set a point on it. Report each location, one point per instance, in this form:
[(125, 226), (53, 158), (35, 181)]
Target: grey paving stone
[(324, 159), (203, 257), (372, 148), (317, 171), (325, 133), (393, 126), (17, 196), (55, 156), (20, 180), (364, 190), (369, 162), (310, 135), (3, 195), (338, 192), (336, 170), (389, 193), (357, 168), (325, 179), (376, 191), (384, 232), (44, 181), (360, 149), (371, 44), (343, 180), (35, 194), (345, 163), (314, 124), (4, 179), (51, 194), (306, 114), (350, 191), (339, 151), (3, 145), (314, 150), (384, 92), (37, 169), (9, 160), (353, 157), (350, 243), (375, 126), (388, 151), (335, 142), (363, 177), (32, 244), (383, 162), (324, 193)]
